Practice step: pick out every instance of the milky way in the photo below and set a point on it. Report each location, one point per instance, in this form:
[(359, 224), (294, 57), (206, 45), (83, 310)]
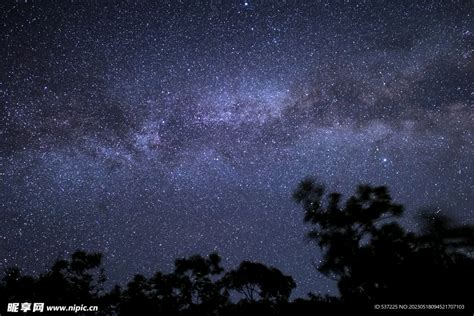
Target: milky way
[(150, 131)]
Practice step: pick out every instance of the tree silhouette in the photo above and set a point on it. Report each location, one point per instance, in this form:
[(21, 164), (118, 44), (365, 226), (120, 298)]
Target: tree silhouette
[(15, 287), (197, 283), (256, 281), (79, 279), (191, 288), (263, 290), (374, 259)]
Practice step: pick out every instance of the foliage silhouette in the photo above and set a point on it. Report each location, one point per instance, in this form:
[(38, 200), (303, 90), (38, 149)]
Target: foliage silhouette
[(68, 281), (373, 258), (190, 289), (256, 281)]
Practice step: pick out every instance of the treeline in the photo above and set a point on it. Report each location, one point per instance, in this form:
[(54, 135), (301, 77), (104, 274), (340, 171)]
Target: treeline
[(374, 260), (197, 286)]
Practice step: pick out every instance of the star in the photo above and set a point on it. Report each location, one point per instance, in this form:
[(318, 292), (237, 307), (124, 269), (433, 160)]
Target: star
[(133, 129)]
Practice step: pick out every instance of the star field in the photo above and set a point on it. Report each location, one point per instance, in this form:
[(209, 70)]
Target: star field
[(150, 131)]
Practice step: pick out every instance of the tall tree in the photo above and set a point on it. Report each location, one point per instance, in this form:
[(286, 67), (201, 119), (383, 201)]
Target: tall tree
[(375, 259)]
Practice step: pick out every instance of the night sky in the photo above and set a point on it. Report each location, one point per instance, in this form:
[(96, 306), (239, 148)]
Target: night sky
[(150, 131)]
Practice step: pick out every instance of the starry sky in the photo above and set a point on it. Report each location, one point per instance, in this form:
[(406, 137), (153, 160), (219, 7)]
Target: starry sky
[(151, 130)]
